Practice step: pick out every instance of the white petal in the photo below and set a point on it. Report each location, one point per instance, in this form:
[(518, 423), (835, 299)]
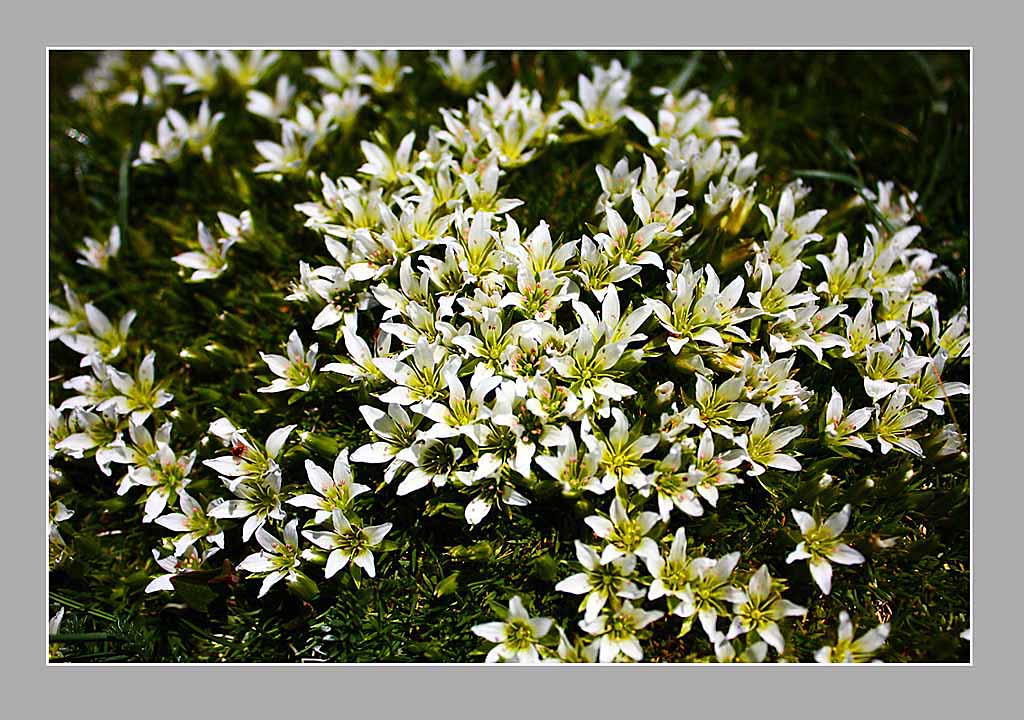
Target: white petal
[(336, 561), (821, 570)]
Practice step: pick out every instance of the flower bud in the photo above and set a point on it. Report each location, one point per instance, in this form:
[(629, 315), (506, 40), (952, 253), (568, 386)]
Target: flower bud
[(739, 210), (663, 393), (300, 584), (322, 445)]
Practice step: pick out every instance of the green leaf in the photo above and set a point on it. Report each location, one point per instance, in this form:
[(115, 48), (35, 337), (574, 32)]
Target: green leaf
[(448, 585), (197, 596)]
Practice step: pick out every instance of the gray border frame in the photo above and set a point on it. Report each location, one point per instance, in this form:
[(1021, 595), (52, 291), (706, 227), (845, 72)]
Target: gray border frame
[(490, 691)]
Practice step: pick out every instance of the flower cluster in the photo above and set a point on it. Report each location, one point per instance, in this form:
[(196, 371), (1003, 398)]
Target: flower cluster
[(647, 366)]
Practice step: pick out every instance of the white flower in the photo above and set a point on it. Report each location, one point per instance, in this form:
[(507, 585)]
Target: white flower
[(710, 471), (342, 300), (97, 255), (654, 201), (893, 423), (143, 451), (888, 365), (575, 652), (433, 462), (616, 631), (574, 470), (775, 295), (341, 72), (517, 637), (342, 110), (385, 167), (528, 415), (672, 574), (613, 325), (382, 70), (248, 70), (623, 534), (597, 270), (93, 432), (621, 451), (313, 126), (140, 395), (171, 140), (460, 414), (246, 460), (254, 477), (707, 592), (843, 279), (397, 432), (461, 72), (53, 626), (175, 134), (841, 429), (537, 298), (930, 391), (955, 340), (537, 253), (194, 71), (421, 380), (773, 382), (788, 233), (295, 372), (334, 491), (106, 339), (93, 390), (237, 229), (899, 209), (672, 484), (805, 327), (821, 544), (762, 449), (514, 133), (627, 249), (724, 651), (174, 565), (602, 99), (362, 367), (590, 369), (348, 542), (165, 478), (761, 609), (152, 90), (717, 408), (490, 491), (848, 650), (287, 157), (66, 322), (861, 331), (277, 560), (600, 582), (491, 340), (689, 117), (616, 185), (57, 512), (210, 261), (700, 313), (482, 190), (194, 522)]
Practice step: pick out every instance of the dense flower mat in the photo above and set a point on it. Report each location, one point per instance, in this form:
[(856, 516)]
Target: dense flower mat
[(703, 416)]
